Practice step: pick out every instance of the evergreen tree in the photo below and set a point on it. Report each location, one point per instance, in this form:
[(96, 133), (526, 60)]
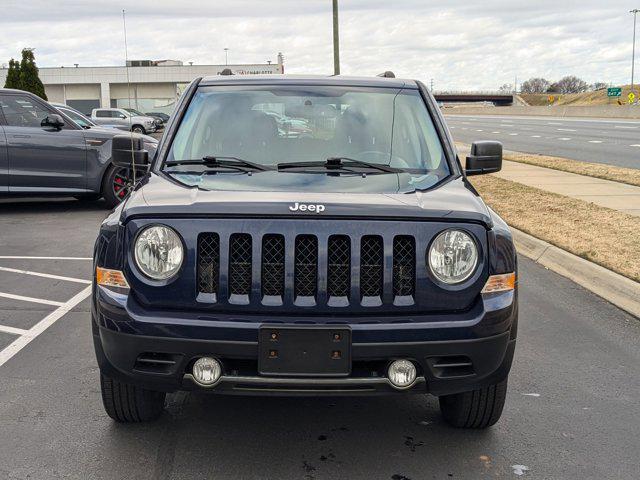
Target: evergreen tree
[(13, 75), (29, 79)]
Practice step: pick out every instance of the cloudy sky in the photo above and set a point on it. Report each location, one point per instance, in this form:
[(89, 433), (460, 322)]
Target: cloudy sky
[(461, 44)]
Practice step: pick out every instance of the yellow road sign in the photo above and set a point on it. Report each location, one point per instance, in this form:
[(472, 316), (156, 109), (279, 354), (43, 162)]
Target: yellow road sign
[(632, 97), (551, 98)]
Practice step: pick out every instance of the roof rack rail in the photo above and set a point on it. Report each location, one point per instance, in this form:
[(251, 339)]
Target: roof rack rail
[(226, 71), (387, 74)]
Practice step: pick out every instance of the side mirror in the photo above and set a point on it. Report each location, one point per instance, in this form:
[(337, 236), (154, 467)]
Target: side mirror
[(122, 115), (52, 120), (128, 151), (485, 157)]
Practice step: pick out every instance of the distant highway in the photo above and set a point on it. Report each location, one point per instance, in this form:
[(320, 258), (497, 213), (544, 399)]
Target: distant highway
[(614, 142)]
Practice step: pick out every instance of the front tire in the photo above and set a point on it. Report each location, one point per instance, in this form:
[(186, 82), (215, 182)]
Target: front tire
[(116, 185), (129, 403), (478, 409), (138, 129)]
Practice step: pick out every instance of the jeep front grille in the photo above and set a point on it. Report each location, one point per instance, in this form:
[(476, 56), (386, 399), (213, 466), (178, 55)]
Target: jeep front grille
[(306, 270)]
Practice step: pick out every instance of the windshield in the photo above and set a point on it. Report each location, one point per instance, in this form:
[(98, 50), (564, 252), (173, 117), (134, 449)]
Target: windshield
[(279, 125)]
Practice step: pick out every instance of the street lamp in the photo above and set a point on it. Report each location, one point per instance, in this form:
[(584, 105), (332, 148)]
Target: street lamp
[(336, 40), (633, 54), (226, 56)]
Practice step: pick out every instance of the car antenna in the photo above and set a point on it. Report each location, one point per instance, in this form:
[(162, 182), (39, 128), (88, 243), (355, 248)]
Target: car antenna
[(126, 67)]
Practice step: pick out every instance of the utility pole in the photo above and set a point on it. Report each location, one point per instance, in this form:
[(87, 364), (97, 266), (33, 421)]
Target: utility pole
[(226, 56), (336, 40), (633, 54)]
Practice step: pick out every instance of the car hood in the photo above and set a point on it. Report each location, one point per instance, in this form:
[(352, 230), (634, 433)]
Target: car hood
[(453, 200)]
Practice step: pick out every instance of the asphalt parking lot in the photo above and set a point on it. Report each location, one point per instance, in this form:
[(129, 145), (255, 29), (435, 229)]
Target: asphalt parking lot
[(573, 406)]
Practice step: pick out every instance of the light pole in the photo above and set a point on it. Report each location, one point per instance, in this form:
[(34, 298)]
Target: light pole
[(226, 56), (336, 40), (633, 54)]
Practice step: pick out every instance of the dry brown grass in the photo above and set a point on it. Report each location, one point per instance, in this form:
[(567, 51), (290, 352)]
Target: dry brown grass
[(629, 176), (578, 99), (601, 235)]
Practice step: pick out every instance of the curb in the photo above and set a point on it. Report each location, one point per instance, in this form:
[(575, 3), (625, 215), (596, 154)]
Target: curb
[(621, 291)]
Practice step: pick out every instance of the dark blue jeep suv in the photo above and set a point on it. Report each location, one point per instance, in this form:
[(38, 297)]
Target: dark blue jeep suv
[(305, 236)]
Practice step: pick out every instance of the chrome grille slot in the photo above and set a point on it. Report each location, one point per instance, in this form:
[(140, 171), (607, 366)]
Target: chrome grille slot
[(208, 266), (339, 270), (371, 270), (306, 270), (240, 265), (404, 269), (272, 269)]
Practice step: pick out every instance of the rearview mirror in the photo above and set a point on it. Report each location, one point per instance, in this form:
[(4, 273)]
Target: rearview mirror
[(485, 157), (128, 151), (52, 120)]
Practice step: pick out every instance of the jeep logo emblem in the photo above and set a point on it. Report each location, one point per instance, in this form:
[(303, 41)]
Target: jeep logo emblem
[(307, 207)]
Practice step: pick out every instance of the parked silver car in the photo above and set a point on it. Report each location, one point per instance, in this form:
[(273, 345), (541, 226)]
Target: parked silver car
[(121, 118)]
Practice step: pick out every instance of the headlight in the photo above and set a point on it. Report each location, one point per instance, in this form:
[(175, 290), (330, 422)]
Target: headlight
[(453, 256), (159, 252)]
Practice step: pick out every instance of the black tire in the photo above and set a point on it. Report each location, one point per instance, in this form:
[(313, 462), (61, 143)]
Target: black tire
[(128, 403), (479, 408), (138, 129), (113, 192)]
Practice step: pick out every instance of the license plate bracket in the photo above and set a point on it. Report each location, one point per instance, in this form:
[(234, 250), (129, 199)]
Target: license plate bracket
[(304, 351)]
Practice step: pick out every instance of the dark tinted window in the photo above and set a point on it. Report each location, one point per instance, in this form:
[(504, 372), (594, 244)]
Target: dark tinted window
[(22, 111), (103, 114)]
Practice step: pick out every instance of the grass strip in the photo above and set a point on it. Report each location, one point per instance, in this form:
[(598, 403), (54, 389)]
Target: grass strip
[(601, 235), (630, 176)]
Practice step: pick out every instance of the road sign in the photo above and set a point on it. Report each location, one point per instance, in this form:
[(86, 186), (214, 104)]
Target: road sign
[(614, 92), (552, 99), (632, 97)]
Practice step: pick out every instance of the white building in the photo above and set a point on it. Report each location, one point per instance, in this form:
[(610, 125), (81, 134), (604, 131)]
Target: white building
[(154, 85)]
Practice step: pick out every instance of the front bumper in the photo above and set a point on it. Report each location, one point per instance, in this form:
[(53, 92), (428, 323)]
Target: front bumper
[(453, 353)]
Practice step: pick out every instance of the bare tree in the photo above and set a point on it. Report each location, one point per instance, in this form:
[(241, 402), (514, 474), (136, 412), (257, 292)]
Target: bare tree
[(535, 85), (506, 88), (572, 84), (599, 86)]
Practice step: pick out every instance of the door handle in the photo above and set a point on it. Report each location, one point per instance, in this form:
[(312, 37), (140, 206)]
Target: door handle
[(21, 136)]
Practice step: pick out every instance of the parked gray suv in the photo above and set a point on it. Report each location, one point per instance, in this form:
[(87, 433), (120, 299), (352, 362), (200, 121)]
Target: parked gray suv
[(44, 151), (123, 119)]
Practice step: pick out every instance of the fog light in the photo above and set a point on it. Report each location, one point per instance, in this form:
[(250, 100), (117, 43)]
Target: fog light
[(206, 371), (402, 373)]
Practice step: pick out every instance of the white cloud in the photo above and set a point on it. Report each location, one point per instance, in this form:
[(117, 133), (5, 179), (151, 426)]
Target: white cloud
[(462, 44)]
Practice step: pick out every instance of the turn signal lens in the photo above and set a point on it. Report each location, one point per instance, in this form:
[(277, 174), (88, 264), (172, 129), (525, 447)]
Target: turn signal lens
[(110, 278), (500, 283)]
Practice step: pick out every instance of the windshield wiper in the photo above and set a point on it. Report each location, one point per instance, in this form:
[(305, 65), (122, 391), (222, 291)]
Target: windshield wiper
[(339, 163), (233, 163)]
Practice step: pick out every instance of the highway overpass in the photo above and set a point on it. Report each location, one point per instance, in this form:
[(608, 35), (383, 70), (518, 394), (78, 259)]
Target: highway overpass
[(497, 98)]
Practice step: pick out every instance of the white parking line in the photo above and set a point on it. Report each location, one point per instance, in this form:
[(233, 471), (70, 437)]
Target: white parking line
[(513, 134), (636, 145), (31, 299), (564, 139), (22, 341), (495, 132), (566, 130), (479, 130), (622, 126), (45, 275), (595, 141), (535, 136), (13, 257), (13, 330)]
